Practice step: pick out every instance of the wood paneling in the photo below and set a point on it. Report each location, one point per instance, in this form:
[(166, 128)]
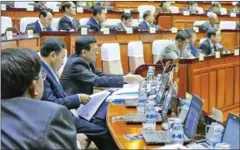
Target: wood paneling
[(204, 86), (212, 90), (236, 85), (229, 86)]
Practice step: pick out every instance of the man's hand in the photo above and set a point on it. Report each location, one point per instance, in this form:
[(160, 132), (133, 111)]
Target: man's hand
[(133, 79), (84, 98)]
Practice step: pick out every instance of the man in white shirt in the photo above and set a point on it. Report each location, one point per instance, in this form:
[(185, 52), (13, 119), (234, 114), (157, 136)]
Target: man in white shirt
[(68, 22), (126, 22)]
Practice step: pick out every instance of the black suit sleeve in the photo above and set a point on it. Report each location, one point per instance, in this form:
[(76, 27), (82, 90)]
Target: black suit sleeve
[(61, 131), (98, 79), (204, 49), (65, 25), (70, 102)]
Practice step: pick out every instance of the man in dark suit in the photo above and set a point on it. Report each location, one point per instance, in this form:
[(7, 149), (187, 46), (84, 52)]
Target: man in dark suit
[(80, 75), (126, 22), (147, 22), (68, 22), (211, 44), (44, 22), (96, 22), (192, 8), (215, 8), (52, 53), (28, 123), (210, 24)]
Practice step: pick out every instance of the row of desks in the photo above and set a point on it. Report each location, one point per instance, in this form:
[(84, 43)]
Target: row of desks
[(164, 20)]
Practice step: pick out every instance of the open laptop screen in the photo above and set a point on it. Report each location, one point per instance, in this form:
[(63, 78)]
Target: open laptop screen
[(193, 116), (162, 88), (167, 101), (232, 132)]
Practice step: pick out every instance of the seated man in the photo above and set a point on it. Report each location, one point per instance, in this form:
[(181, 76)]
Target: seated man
[(177, 49), (105, 5), (39, 5), (211, 24), (192, 8), (44, 22), (80, 75), (236, 9), (28, 123), (52, 53), (211, 44), (193, 36), (163, 8), (126, 22), (68, 23), (96, 22), (215, 8), (147, 22)]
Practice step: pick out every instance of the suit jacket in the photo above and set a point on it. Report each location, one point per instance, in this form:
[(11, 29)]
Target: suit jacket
[(66, 24), (79, 76), (53, 91), (206, 26), (37, 28), (172, 52), (143, 26), (33, 124), (121, 27), (205, 47), (211, 10), (94, 26), (190, 11)]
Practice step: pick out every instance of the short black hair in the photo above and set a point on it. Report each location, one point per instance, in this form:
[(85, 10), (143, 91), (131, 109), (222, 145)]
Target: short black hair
[(44, 12), (161, 3), (66, 5), (146, 14), (192, 3), (126, 16), (182, 35), (51, 44), (189, 31), (83, 42), (19, 67), (211, 32), (97, 10)]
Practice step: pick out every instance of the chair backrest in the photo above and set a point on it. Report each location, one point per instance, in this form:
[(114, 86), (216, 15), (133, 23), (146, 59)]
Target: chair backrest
[(135, 22), (198, 23), (55, 23), (227, 25), (135, 54), (200, 10), (143, 8), (112, 22), (25, 21), (22, 4), (234, 3), (6, 23), (158, 46), (52, 5), (174, 9), (83, 21), (110, 56), (223, 11)]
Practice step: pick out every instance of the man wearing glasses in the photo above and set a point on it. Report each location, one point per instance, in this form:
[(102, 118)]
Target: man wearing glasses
[(52, 53), (28, 123), (177, 49)]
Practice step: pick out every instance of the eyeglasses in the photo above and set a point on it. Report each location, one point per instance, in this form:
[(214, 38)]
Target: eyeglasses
[(42, 76)]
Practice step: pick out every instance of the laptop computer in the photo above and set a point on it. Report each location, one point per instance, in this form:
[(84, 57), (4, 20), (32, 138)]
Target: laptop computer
[(230, 136), (190, 125), (132, 103), (140, 118)]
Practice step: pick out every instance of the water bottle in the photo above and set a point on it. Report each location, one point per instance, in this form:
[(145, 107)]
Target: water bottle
[(150, 116), (177, 132), (150, 74), (142, 97)]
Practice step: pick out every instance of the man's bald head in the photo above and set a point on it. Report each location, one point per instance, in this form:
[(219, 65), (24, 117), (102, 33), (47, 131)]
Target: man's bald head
[(213, 18)]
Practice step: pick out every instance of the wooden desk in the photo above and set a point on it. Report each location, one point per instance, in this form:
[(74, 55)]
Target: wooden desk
[(21, 41), (122, 38), (214, 80)]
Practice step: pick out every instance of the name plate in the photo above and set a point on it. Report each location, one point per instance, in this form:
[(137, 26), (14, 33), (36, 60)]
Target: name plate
[(201, 57), (232, 14), (128, 11), (105, 31), (217, 55), (79, 9), (30, 33), (152, 30), (3, 7), (129, 30), (30, 8), (196, 29), (56, 9), (186, 13), (84, 31), (236, 52), (9, 35), (174, 30)]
